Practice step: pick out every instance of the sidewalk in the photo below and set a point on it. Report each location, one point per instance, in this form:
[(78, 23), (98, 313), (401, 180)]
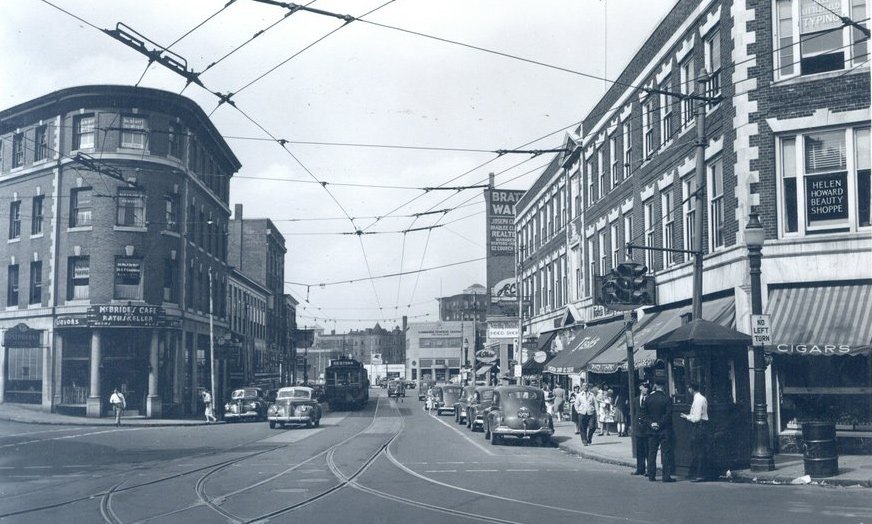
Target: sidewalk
[(28, 414), (854, 470)]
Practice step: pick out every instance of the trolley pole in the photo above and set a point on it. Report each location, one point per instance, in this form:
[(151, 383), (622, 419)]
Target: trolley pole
[(211, 346), (698, 200), (631, 376)]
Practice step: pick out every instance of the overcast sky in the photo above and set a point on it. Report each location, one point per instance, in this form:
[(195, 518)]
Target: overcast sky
[(364, 84)]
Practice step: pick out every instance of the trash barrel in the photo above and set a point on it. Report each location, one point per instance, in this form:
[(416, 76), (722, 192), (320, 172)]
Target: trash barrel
[(819, 449)]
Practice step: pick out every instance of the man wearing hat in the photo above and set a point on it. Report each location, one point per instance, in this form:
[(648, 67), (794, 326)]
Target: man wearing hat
[(640, 431), (658, 418)]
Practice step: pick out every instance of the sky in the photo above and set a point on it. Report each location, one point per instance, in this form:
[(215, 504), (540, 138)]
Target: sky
[(449, 106)]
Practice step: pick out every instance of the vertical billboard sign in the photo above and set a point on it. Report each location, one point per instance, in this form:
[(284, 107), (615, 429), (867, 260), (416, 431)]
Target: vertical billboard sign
[(501, 251)]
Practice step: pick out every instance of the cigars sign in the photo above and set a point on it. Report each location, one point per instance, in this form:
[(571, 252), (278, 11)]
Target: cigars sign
[(115, 316)]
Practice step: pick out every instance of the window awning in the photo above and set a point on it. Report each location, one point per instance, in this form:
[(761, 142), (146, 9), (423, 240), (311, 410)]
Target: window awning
[(483, 369), (720, 310), (585, 345), (821, 320)]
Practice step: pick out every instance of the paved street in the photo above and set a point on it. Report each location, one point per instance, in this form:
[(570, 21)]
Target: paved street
[(388, 463)]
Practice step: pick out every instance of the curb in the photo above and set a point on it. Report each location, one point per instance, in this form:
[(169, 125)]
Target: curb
[(6, 418)]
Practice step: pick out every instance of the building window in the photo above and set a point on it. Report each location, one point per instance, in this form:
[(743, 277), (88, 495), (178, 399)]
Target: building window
[(666, 102), (716, 203), (15, 219), (713, 64), (170, 293), (189, 287), (601, 165), (648, 126), (615, 156), (688, 188), (176, 138), (36, 282), (17, 150), (36, 215), (78, 278), (628, 148), (41, 143), (134, 132), (130, 208), (616, 249), (628, 228), (650, 235), (688, 83), (128, 278), (12, 285), (591, 265), (823, 183), (171, 219), (591, 194), (80, 207), (668, 224), (603, 254), (813, 31), (83, 132)]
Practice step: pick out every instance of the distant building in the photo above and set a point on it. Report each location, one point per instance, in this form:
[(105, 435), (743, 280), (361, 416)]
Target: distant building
[(246, 311), (435, 350)]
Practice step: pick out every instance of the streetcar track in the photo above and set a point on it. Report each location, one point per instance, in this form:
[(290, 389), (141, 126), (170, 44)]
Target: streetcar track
[(106, 504)]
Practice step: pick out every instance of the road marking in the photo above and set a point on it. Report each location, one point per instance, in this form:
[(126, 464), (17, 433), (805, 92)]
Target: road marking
[(482, 470), (77, 466), (313, 480), (455, 462), (441, 471), (291, 490), (474, 443), (37, 467), (520, 470), (40, 432), (36, 441)]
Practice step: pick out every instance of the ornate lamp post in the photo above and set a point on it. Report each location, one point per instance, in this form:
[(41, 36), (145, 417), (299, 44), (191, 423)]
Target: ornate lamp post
[(761, 454), (464, 360)]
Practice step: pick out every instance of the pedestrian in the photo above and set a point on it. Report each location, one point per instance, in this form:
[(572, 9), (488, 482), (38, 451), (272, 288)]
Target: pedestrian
[(118, 404), (699, 439), (573, 416), (640, 431), (559, 401), (601, 409), (621, 415), (585, 405), (210, 410), (549, 399), (608, 417), (658, 416)]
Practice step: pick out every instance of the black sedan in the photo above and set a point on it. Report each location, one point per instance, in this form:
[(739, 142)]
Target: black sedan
[(518, 412), (245, 404)]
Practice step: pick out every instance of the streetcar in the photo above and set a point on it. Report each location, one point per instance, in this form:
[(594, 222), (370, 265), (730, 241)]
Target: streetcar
[(346, 384)]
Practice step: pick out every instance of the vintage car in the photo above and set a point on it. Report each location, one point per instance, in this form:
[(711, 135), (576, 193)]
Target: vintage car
[(518, 411), (396, 389), (245, 404), (295, 405), (478, 407), (460, 407), (448, 394), (423, 387)]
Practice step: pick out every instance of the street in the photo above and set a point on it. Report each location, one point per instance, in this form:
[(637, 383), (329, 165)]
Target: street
[(391, 462)]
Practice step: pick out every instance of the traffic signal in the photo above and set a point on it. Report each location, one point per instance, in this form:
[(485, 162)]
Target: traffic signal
[(625, 287)]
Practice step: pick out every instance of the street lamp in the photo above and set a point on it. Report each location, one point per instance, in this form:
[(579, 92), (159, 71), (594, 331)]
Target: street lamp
[(761, 455), (464, 359)]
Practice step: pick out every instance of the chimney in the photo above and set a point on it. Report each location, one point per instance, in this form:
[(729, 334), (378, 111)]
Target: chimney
[(686, 317), (490, 180), (237, 212)]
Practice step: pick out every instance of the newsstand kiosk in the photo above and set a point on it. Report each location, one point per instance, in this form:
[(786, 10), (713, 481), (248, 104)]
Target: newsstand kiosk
[(716, 358)]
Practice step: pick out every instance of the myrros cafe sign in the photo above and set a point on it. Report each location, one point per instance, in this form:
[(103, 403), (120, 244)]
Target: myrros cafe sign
[(115, 316)]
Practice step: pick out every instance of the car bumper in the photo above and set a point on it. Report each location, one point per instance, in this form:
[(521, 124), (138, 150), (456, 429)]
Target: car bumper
[(512, 432), (290, 420), (445, 409), (241, 416)]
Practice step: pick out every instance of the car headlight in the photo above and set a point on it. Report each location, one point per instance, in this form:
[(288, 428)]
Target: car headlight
[(252, 406), (227, 407)]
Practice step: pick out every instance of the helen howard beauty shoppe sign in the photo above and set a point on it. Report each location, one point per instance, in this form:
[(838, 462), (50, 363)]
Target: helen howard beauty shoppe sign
[(826, 197)]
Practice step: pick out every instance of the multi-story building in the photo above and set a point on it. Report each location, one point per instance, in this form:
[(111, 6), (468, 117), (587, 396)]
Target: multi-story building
[(246, 314), (787, 138), (289, 358), (117, 206), (257, 250), (434, 350), (469, 306)]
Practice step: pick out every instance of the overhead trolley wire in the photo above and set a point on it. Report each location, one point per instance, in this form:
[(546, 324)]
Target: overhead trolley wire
[(388, 275)]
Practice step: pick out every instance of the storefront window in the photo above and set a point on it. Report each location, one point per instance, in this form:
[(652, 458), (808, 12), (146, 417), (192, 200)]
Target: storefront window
[(24, 375)]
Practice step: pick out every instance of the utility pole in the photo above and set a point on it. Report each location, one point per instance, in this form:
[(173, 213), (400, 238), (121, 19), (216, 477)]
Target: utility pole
[(631, 377), (211, 344), (698, 200)]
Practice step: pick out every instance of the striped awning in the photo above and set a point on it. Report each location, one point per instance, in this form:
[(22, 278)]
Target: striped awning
[(483, 369), (586, 344), (821, 320)]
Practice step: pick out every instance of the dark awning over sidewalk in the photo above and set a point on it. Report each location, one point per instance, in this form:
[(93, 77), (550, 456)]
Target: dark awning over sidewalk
[(825, 319), (585, 345)]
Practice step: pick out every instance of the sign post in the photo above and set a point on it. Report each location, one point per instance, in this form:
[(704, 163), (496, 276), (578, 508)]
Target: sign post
[(761, 331)]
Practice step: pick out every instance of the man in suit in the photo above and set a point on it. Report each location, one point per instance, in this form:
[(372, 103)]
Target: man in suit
[(640, 431), (658, 418)]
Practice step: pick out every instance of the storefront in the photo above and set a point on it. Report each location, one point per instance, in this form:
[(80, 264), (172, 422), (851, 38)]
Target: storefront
[(822, 336), (582, 347), (24, 355)]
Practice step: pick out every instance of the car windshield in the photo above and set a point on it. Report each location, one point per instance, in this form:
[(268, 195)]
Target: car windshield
[(243, 393), (487, 395), (293, 393), (524, 395)]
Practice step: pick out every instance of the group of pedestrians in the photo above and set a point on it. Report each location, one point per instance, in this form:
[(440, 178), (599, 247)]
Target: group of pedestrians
[(597, 408), (119, 404), (654, 432)]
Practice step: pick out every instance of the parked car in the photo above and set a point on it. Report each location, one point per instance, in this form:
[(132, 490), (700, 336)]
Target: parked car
[(448, 395), (396, 389), (294, 405), (518, 411), (462, 404), (245, 404), (423, 387), (478, 406), (410, 384)]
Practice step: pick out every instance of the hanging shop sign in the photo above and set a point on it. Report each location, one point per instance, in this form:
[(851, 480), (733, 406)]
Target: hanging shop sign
[(497, 329), (826, 197), (71, 321), (22, 336), (485, 356), (501, 220), (505, 290), (126, 316)]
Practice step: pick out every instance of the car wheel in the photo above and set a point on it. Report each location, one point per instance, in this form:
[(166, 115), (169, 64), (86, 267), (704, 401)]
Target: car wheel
[(456, 417), (272, 424), (317, 422), (496, 440), (309, 423)]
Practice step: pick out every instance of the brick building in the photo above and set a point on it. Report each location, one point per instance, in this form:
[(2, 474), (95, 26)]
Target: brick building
[(787, 137), (116, 202)]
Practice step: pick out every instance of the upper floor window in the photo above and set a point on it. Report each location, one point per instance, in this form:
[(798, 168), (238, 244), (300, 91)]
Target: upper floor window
[(716, 204), (666, 102), (616, 245), (78, 278), (17, 150), (176, 137), (171, 219), (134, 132), (687, 87), (688, 188), (591, 264), (648, 126), (810, 36), (601, 164), (36, 282), (628, 228), (591, 188), (80, 207), (36, 214), (12, 285), (825, 181), (128, 278), (615, 156), (650, 235), (15, 219), (130, 209), (603, 254), (628, 147), (713, 63), (41, 143), (83, 131), (668, 224)]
